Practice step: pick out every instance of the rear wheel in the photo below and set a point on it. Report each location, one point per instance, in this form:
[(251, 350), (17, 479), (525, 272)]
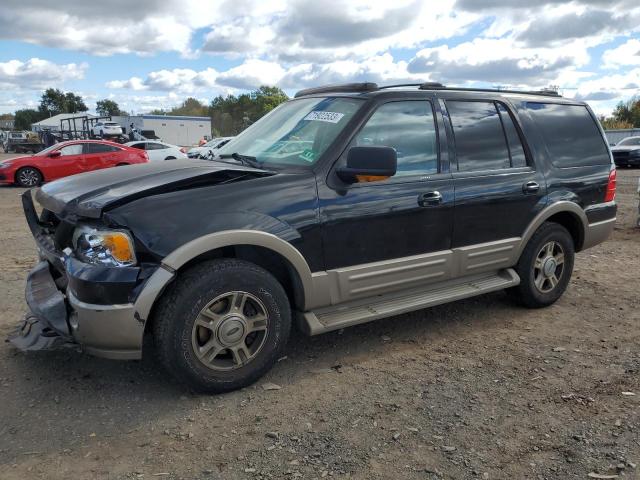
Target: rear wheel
[(545, 266), (170, 158), (28, 177), (222, 325)]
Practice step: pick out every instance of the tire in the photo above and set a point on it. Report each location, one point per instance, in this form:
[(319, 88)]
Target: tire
[(542, 280), (28, 177), (170, 158), (209, 289)]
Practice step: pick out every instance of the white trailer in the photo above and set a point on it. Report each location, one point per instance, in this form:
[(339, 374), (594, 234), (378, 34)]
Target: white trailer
[(178, 130)]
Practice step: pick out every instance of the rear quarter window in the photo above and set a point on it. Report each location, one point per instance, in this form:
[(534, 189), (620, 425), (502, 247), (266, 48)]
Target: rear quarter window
[(571, 134)]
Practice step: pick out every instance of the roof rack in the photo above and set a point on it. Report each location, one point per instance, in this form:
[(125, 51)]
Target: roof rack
[(421, 86), (370, 87), (345, 88)]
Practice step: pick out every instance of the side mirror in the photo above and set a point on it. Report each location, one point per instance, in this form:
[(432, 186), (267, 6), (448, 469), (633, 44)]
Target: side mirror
[(369, 164), (55, 154)]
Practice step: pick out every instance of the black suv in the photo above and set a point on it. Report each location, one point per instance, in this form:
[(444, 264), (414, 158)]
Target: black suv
[(344, 205)]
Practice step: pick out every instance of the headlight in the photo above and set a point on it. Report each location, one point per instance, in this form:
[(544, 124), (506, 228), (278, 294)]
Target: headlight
[(104, 247)]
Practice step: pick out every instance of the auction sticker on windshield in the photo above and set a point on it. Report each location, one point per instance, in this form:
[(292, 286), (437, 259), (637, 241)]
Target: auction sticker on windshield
[(319, 116)]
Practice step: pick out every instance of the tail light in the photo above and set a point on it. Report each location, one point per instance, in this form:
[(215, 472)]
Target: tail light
[(183, 150), (611, 186)]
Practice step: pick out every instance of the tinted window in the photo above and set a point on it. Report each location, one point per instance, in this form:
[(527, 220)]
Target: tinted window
[(75, 149), (156, 146), (139, 146), (518, 158), (100, 148), (409, 128), (571, 134), (479, 138)]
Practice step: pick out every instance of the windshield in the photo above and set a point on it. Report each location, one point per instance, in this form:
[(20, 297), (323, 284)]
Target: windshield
[(296, 133), (630, 141)]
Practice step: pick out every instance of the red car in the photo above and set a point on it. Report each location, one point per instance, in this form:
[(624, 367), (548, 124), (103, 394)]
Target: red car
[(67, 158)]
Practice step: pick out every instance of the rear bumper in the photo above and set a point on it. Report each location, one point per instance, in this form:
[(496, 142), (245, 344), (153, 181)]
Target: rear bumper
[(598, 232)]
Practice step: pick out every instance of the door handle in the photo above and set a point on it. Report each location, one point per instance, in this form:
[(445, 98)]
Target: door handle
[(530, 187), (430, 198)]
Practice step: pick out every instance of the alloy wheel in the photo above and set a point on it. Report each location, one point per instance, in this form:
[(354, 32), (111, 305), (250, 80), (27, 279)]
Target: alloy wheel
[(230, 331), (548, 267), (28, 177)]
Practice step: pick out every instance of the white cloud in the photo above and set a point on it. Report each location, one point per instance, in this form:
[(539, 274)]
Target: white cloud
[(627, 54), (36, 73), (181, 80)]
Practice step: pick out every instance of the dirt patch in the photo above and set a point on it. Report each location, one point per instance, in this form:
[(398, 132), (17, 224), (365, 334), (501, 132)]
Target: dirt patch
[(475, 389)]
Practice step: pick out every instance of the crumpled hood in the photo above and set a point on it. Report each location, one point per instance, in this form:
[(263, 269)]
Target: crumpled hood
[(90, 194)]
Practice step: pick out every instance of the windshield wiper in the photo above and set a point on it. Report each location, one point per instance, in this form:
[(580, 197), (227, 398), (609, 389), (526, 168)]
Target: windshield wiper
[(246, 160)]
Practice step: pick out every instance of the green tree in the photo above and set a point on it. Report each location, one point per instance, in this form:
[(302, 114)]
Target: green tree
[(73, 103), (55, 101), (232, 114), (191, 106), (108, 107), (25, 118), (628, 112)]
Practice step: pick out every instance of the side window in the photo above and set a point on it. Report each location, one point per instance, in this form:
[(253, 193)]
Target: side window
[(155, 146), (139, 146), (571, 134), (75, 149), (516, 150), (479, 138), (100, 148), (408, 127)]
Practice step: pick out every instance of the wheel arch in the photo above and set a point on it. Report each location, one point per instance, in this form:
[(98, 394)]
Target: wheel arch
[(275, 255), (568, 214)]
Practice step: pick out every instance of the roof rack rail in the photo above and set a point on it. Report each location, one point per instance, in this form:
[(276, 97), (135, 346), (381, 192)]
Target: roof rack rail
[(344, 88), (370, 87), (546, 93)]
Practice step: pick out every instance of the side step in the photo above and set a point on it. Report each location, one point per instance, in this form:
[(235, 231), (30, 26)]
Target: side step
[(361, 311)]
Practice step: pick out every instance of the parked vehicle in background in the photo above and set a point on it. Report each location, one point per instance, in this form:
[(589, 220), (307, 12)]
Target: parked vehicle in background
[(67, 158), (626, 153), (141, 135), (22, 142), (211, 146), (159, 151), (389, 200), (106, 129)]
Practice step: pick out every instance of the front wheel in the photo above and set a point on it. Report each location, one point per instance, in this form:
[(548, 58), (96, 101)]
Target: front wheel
[(545, 266), (222, 325), (28, 177)]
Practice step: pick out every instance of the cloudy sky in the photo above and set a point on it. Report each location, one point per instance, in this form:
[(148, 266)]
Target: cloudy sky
[(148, 54)]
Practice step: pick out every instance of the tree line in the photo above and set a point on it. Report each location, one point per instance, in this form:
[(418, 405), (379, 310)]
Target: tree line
[(229, 114)]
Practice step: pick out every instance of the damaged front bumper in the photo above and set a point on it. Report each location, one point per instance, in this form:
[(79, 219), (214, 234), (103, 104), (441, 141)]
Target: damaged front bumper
[(59, 318), (101, 309)]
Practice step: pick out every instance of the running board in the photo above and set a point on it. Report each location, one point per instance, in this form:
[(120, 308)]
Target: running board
[(373, 308)]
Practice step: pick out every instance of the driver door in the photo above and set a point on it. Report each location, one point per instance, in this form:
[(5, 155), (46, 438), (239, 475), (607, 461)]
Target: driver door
[(69, 162), (395, 233)]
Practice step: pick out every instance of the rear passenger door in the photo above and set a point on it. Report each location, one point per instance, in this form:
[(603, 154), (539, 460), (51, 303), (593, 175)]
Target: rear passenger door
[(99, 155), (498, 189)]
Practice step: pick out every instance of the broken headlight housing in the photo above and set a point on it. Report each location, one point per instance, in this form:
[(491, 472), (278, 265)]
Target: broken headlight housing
[(110, 248)]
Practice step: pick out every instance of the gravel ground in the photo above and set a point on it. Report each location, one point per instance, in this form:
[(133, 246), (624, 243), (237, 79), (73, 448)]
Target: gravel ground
[(476, 389)]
